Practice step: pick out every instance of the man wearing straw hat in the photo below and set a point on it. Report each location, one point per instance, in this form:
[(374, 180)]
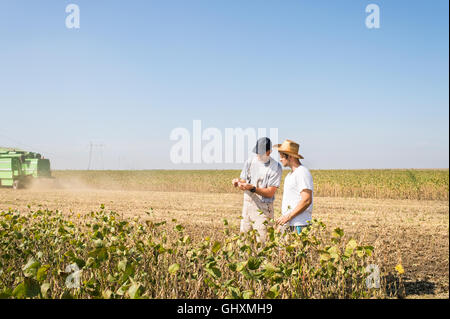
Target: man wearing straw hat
[(259, 180), (297, 203)]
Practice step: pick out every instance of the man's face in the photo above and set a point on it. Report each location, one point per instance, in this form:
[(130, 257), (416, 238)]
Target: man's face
[(284, 159), (264, 157)]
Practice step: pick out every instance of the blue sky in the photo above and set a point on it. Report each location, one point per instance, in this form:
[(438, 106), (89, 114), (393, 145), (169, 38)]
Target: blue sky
[(352, 97)]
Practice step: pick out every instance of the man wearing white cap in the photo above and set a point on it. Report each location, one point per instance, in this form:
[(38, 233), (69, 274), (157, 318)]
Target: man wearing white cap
[(259, 180), (297, 203)]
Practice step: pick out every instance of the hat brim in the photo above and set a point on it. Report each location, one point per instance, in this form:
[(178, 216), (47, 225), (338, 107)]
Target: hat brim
[(277, 147)]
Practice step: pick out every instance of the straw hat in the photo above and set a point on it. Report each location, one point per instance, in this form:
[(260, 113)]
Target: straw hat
[(289, 147)]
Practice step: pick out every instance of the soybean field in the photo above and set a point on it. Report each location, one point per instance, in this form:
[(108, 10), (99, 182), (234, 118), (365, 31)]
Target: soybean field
[(175, 234)]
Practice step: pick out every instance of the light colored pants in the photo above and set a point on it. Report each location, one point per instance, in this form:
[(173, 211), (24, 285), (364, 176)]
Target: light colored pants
[(254, 215)]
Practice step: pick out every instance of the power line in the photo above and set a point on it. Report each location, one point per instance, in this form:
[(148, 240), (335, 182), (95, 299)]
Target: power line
[(17, 142), (31, 148), (91, 150)]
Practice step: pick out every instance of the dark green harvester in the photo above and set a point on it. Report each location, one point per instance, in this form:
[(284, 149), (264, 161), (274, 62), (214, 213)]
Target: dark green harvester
[(18, 167)]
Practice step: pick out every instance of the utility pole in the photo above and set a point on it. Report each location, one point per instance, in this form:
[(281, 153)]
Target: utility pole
[(91, 148), (90, 155)]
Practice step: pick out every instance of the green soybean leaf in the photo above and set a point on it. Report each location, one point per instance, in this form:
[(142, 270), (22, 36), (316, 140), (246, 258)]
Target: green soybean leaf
[(20, 291), (66, 295), (214, 271), (270, 270), (253, 263), (324, 256), (5, 293), (174, 268), (234, 293), (121, 291), (80, 262), (369, 250), (274, 291), (31, 267), (106, 294), (100, 254), (28, 288), (247, 294), (232, 266), (216, 247), (135, 290), (352, 244), (44, 289), (241, 266), (338, 233), (360, 251), (334, 252), (350, 247), (179, 228), (41, 274), (122, 265)]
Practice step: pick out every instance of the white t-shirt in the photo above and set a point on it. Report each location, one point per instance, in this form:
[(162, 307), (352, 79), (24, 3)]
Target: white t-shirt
[(294, 183)]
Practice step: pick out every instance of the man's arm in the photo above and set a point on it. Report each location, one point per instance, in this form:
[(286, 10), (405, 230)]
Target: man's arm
[(300, 208), (265, 192)]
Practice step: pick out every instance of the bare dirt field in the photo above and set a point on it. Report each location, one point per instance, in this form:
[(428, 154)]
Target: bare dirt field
[(414, 233)]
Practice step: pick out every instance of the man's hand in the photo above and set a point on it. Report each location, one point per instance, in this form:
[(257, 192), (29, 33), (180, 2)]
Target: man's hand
[(237, 181), (282, 220), (245, 186), (301, 207)]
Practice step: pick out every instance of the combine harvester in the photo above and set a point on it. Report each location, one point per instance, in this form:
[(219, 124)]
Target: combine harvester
[(18, 168)]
